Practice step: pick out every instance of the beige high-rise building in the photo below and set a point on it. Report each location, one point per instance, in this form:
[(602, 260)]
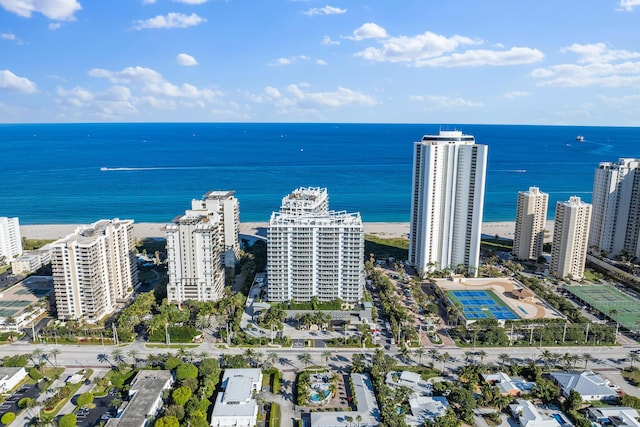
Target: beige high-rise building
[(194, 263), (226, 205), (570, 238), (531, 219), (615, 223), (94, 268), (314, 252)]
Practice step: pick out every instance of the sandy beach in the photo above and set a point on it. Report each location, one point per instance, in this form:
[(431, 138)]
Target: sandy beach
[(143, 230)]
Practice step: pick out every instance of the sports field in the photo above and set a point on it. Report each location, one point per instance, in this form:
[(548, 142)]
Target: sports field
[(481, 304), (611, 302)]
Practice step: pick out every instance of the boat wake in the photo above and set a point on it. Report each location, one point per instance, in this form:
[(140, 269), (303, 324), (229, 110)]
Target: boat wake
[(511, 170), (103, 169)]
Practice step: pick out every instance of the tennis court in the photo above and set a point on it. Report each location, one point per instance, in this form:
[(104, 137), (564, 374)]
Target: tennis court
[(611, 302), (481, 304)]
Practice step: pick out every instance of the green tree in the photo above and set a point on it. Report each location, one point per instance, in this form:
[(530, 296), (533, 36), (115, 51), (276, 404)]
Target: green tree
[(327, 355), (172, 363), (84, 399), (168, 421), (210, 367), (573, 401), (68, 420), (187, 370), (181, 395), (8, 418)]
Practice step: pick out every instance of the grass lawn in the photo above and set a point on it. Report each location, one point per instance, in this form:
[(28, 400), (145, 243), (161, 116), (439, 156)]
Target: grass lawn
[(397, 248), (632, 375), (274, 418)]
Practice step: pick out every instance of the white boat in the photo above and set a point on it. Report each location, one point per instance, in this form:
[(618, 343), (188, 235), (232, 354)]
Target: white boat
[(580, 138)]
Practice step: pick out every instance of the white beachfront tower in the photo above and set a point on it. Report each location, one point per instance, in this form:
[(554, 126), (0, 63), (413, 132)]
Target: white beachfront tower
[(531, 219), (93, 268), (313, 252), (227, 206), (306, 201), (447, 202), (615, 221), (570, 238), (194, 263), (10, 239)]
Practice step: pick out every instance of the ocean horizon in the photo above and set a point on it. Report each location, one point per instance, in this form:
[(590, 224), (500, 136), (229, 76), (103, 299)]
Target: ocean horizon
[(149, 172)]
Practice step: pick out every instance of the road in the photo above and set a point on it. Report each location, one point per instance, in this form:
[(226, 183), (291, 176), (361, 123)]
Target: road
[(88, 355)]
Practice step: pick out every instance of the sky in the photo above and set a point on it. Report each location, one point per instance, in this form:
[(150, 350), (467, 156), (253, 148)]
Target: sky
[(548, 62)]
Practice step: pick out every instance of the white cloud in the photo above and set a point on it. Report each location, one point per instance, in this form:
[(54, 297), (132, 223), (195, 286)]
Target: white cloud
[(447, 102), (411, 49), (599, 52), (368, 31), (186, 60), (483, 57), (435, 50), (171, 20), (321, 62), (60, 10), (597, 66), (327, 41), (151, 82), (341, 97), (296, 97), (8, 36), (288, 61), (516, 94), (572, 75), (54, 26), (13, 83), (628, 4), (148, 1), (191, 1), (116, 102), (326, 10)]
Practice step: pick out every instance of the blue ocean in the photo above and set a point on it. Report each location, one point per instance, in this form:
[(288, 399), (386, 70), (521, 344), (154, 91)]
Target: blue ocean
[(79, 173)]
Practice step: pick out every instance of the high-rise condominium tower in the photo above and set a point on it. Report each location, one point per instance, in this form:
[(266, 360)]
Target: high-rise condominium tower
[(446, 202), (570, 238), (194, 264), (10, 239), (531, 218), (228, 209), (615, 223), (314, 252), (93, 268)]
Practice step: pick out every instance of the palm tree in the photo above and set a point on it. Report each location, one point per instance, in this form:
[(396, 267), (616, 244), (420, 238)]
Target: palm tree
[(587, 357), (359, 419), (272, 358), (545, 355), (116, 355), (327, 355), (468, 356), (305, 358), (445, 357), (55, 352), (405, 352), (633, 357), (504, 358), (133, 354), (434, 355), (36, 357), (419, 353), (482, 354), (349, 419), (250, 354)]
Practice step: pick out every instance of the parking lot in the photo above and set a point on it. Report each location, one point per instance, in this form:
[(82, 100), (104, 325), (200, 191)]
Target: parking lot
[(11, 404), (101, 412)]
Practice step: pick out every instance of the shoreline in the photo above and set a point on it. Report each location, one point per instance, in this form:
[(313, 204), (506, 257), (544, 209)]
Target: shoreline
[(144, 230)]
